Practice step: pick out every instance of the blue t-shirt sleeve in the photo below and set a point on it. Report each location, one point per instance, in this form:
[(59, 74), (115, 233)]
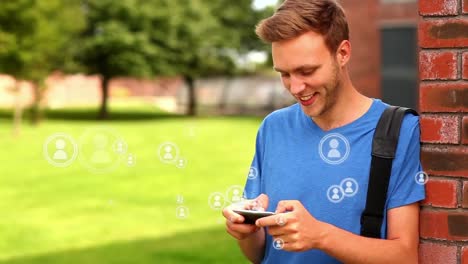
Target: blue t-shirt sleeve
[(403, 186), (253, 186)]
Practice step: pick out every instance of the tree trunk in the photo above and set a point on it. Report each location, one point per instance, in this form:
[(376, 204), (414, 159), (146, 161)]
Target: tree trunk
[(192, 102), (18, 111), (103, 111), (35, 108)]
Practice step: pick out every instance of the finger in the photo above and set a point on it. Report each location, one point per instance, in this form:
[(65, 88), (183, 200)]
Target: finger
[(266, 221), (287, 205), (277, 231), (232, 216), (241, 228), (263, 200)]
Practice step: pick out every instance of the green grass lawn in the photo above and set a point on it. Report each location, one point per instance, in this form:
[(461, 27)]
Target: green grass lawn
[(71, 215)]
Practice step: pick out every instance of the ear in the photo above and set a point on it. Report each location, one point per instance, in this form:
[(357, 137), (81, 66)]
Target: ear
[(343, 53)]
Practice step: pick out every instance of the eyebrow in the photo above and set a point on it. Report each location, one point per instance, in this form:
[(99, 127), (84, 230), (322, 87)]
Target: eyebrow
[(300, 68)]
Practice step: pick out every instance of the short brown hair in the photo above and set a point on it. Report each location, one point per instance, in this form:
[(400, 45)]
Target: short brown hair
[(296, 17)]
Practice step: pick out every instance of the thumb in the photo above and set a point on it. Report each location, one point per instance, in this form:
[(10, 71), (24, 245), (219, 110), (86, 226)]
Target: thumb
[(263, 200), (288, 206)]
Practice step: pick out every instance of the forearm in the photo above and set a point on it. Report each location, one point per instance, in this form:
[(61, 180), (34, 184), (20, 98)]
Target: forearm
[(350, 248), (253, 246)]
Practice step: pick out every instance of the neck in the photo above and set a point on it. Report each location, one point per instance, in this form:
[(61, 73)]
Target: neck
[(348, 105)]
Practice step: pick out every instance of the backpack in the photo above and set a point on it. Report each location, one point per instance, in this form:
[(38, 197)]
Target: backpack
[(384, 144)]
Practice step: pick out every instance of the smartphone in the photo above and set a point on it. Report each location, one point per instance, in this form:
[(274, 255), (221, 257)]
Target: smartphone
[(252, 216)]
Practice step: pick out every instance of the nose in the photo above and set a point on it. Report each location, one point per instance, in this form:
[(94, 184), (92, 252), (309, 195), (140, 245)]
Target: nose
[(297, 85)]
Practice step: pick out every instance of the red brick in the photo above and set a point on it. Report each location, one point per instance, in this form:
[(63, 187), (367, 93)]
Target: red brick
[(436, 253), (441, 193), (443, 33), (444, 225), (444, 97), (464, 253), (438, 65), (465, 130), (440, 129), (445, 160), (465, 194), (438, 7), (465, 65)]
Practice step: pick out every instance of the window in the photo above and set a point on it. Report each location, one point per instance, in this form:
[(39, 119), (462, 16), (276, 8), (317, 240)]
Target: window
[(399, 66)]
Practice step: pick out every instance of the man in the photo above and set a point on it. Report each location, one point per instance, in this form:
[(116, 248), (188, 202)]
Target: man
[(312, 159)]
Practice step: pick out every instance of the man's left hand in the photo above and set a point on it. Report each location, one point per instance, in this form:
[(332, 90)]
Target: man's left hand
[(297, 229)]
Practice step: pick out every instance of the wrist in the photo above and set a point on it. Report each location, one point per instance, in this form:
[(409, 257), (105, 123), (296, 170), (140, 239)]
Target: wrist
[(326, 232)]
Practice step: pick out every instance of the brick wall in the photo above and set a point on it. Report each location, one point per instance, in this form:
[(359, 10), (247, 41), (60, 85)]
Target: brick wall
[(443, 58)]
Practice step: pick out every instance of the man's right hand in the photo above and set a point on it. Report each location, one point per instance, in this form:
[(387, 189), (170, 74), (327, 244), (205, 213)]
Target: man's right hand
[(235, 225)]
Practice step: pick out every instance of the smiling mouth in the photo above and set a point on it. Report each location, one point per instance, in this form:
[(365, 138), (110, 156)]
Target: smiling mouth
[(308, 99)]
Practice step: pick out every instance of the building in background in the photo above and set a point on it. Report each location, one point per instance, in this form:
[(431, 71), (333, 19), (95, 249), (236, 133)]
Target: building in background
[(384, 42)]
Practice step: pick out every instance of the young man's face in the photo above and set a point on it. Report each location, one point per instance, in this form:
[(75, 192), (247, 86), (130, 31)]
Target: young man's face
[(309, 71)]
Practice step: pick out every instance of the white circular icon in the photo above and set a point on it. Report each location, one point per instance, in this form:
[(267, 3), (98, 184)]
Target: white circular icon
[(421, 178), (181, 163), (97, 149), (334, 148), (168, 152), (253, 172), (349, 186), (216, 201), (278, 243), (335, 194), (234, 194), (60, 149), (182, 212)]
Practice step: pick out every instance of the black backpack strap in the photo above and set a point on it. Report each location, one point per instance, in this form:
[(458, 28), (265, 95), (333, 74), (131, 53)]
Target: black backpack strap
[(384, 146)]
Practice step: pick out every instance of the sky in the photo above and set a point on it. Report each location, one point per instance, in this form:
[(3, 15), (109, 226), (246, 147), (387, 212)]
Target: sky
[(259, 4)]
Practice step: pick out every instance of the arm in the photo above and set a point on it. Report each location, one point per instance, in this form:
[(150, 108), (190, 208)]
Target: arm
[(251, 239), (253, 246), (303, 232), (401, 245)]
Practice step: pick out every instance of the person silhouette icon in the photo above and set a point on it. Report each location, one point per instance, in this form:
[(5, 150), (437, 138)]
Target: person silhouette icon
[(334, 153), (168, 155), (182, 212), (60, 153), (421, 178), (130, 160), (217, 202), (349, 188), (335, 195), (235, 196)]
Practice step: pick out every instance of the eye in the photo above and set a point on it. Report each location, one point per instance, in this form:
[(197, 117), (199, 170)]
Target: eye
[(307, 72), (284, 75)]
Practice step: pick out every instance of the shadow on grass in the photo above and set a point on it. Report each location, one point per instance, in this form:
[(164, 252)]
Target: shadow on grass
[(120, 114), (89, 114), (212, 245)]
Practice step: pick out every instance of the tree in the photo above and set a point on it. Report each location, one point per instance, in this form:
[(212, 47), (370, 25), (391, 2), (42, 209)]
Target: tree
[(35, 37), (208, 36), (118, 41), (143, 38)]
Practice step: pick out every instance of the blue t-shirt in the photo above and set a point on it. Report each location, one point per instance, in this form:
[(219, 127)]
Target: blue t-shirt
[(328, 171)]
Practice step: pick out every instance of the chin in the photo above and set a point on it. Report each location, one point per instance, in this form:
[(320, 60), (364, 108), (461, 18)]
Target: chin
[(311, 111)]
